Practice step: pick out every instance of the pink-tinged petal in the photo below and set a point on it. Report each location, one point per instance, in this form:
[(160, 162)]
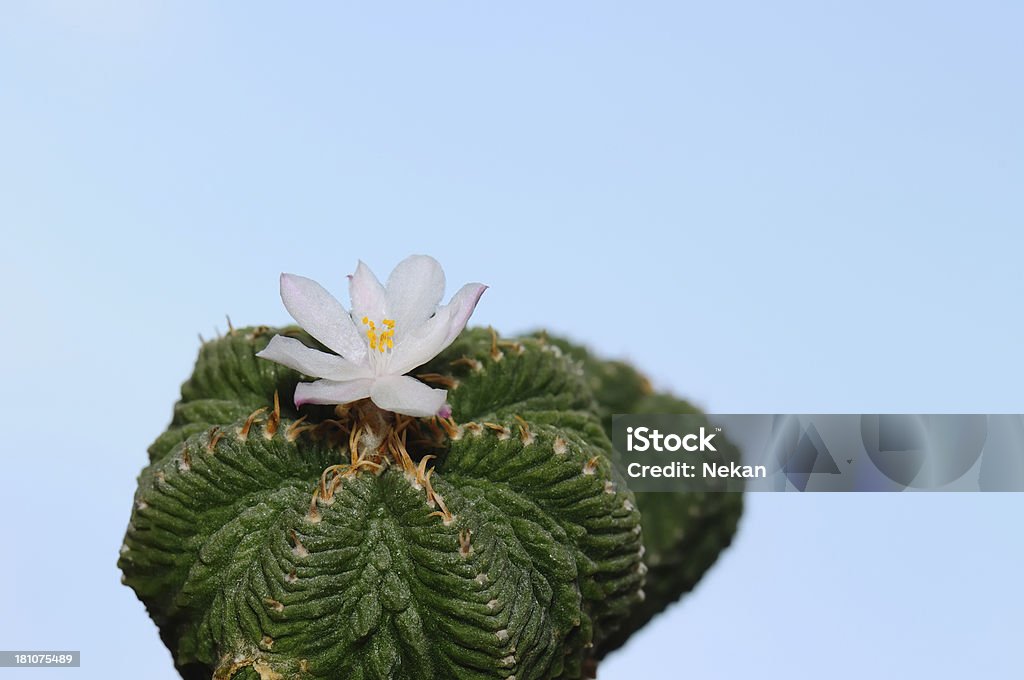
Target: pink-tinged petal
[(437, 333), (321, 316), (413, 291), (293, 354), (367, 296), (331, 391), (425, 343), (402, 394), (462, 305)]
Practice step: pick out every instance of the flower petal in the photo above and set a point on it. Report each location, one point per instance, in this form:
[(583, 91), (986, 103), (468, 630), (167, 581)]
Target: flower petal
[(402, 394), (293, 354), (367, 295), (321, 316), (439, 331), (425, 343), (462, 305), (413, 291), (331, 391)]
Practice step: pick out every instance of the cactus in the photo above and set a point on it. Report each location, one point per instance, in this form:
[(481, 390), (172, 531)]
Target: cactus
[(500, 542), (683, 533)]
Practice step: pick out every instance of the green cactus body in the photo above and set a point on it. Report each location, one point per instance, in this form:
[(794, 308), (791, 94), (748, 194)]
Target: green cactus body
[(684, 533), (516, 551)]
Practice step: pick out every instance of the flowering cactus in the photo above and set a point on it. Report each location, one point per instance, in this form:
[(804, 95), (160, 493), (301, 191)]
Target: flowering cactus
[(467, 521)]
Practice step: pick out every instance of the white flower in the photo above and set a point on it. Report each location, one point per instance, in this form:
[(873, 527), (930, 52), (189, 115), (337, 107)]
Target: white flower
[(391, 330)]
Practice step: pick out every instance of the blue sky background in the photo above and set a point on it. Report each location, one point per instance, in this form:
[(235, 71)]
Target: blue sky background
[(770, 207)]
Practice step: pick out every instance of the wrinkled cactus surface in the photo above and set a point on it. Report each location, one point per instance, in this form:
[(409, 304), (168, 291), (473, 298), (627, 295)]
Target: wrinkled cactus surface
[(509, 546)]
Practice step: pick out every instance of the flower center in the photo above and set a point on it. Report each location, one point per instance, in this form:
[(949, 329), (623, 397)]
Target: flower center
[(382, 339)]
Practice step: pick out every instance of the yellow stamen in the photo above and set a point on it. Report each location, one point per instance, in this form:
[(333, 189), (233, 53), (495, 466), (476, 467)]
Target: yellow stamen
[(385, 339)]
